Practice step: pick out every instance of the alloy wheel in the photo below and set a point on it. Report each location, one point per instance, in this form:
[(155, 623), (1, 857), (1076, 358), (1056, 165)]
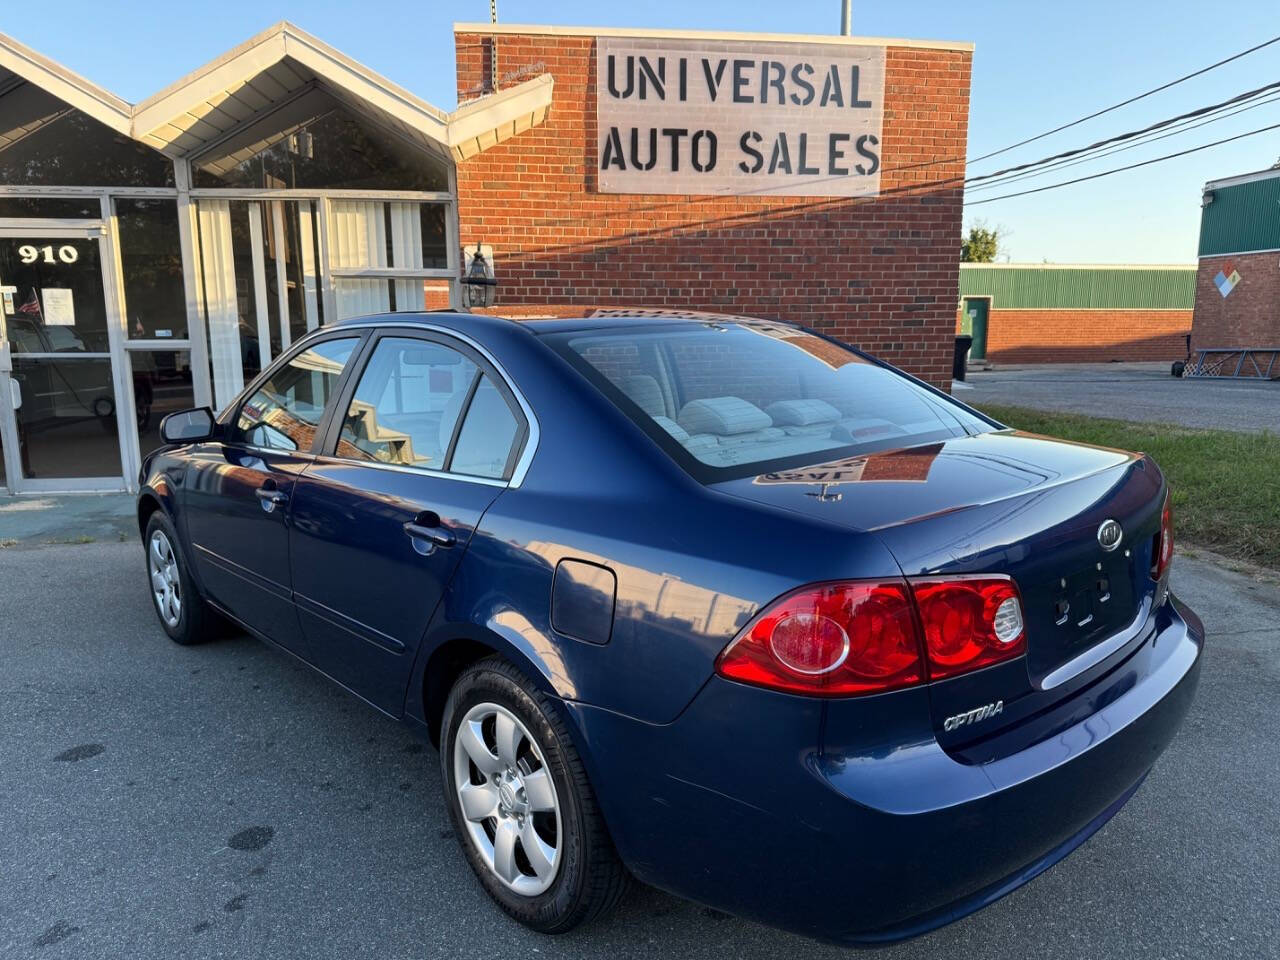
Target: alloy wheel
[(508, 799), (166, 584)]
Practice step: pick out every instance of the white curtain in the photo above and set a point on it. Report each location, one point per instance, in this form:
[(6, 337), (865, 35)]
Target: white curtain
[(310, 281), (406, 250), (358, 238), (222, 311)]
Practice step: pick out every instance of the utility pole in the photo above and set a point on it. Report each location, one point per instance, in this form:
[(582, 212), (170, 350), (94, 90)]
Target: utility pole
[(493, 48), (846, 18)]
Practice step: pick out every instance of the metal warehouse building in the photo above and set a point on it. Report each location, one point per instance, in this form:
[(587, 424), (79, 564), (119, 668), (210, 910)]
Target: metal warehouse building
[(1237, 309), (157, 255), (1076, 313)]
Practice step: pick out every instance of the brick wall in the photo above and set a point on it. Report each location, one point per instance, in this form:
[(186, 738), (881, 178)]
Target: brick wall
[(1247, 317), (880, 273), (1086, 336)]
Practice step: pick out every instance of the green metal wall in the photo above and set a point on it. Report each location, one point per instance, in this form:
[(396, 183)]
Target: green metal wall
[(1242, 218), (1081, 288)]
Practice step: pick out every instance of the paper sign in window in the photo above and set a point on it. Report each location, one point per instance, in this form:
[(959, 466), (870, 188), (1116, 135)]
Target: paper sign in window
[(59, 307)]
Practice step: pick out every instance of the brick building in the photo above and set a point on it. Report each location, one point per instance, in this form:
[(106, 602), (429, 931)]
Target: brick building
[(1076, 313), (878, 270), (1237, 303)]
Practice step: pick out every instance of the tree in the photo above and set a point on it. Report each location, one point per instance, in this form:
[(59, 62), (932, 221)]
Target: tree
[(982, 244)]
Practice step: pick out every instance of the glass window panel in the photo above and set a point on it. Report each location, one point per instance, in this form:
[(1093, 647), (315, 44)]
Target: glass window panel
[(488, 432), (44, 142), (161, 381), (407, 404), (434, 253), (755, 395), (52, 208), (317, 143), (285, 411), (67, 420), (151, 261), (59, 306)]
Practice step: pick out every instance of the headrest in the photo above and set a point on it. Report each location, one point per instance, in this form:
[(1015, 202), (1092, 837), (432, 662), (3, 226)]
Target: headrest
[(723, 416), (646, 393), (802, 413)]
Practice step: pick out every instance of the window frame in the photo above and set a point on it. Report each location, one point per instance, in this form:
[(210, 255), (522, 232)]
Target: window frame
[(327, 439), (231, 413)]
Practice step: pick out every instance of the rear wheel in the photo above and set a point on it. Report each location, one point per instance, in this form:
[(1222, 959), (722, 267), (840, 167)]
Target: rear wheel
[(521, 804), (182, 612)]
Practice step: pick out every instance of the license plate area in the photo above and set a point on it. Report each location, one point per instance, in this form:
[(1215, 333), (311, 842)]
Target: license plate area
[(1088, 602)]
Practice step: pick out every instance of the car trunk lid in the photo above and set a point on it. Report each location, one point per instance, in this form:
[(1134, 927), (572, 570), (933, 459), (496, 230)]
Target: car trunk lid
[(1004, 503)]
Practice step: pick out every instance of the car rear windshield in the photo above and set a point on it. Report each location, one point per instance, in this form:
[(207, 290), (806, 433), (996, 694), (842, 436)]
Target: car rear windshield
[(731, 399)]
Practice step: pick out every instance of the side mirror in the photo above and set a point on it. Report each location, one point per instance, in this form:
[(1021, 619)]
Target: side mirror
[(188, 426)]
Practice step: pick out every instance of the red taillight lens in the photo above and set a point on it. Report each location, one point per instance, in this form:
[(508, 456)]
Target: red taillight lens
[(1162, 549), (832, 639), (855, 637), (969, 623)]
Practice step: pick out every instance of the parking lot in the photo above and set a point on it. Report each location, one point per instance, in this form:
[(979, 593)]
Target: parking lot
[(1128, 391), (161, 801)]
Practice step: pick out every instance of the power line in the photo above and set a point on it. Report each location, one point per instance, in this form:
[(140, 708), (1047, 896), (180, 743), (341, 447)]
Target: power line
[(1120, 137), (1131, 166), (1125, 103), (1184, 126)]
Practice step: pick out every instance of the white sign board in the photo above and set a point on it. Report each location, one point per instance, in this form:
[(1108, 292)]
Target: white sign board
[(739, 117), (59, 308)]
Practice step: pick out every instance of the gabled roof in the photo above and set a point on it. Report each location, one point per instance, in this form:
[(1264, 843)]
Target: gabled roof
[(19, 62), (227, 102), (266, 72)]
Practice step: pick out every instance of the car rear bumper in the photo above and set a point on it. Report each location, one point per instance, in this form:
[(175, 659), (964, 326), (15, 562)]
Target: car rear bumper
[(847, 821)]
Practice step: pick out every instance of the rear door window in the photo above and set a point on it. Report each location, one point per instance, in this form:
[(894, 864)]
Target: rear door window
[(488, 434), (285, 411)]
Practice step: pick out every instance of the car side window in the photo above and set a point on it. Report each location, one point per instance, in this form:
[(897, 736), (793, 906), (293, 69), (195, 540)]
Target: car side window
[(406, 404), (284, 412), (488, 433)]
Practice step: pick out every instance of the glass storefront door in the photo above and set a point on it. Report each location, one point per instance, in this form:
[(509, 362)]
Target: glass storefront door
[(58, 395)]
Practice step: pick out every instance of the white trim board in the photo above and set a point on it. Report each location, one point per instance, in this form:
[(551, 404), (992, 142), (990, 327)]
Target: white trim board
[(65, 84), (1241, 178), (1238, 253)]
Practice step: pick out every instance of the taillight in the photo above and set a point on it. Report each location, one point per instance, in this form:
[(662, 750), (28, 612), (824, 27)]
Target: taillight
[(858, 637), (1162, 549), (830, 639), (969, 623)]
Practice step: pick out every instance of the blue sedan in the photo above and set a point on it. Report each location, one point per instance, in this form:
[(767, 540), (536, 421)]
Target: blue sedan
[(716, 603)]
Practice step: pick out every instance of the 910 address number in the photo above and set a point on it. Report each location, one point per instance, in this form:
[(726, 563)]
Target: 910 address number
[(29, 253)]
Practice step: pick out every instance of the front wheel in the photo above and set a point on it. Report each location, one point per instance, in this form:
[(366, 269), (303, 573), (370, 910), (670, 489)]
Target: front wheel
[(177, 603), (520, 801)]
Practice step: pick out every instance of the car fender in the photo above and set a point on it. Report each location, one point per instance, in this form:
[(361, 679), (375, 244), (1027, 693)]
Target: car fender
[(161, 482)]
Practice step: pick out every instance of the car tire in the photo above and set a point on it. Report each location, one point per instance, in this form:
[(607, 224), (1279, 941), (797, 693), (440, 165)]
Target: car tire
[(182, 612), (588, 879)]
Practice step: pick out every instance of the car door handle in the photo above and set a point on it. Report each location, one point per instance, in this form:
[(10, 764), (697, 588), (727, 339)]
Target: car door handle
[(270, 497), (426, 526)]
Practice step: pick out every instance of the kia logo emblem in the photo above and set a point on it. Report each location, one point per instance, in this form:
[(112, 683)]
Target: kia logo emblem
[(1109, 535)]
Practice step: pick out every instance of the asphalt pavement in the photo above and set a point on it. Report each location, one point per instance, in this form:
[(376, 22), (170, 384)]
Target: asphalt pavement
[(226, 801), (1128, 391)]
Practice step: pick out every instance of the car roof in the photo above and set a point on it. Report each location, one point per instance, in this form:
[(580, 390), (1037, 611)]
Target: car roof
[(606, 318)]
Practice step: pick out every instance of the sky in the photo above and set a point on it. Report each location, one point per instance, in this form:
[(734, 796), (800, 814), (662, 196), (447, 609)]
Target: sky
[(1036, 65)]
